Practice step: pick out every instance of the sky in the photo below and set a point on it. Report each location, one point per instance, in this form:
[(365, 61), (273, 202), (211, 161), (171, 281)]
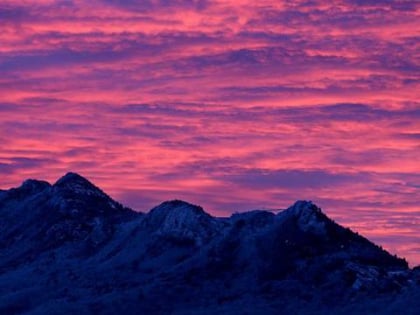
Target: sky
[(233, 105)]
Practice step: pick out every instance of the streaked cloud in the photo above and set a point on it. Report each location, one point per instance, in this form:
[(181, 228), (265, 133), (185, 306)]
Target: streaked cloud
[(230, 104)]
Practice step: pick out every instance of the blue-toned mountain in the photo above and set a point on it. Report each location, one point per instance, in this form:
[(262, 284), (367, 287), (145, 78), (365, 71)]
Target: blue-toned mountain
[(69, 248)]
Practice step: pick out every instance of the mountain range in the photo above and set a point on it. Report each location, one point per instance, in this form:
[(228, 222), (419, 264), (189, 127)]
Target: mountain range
[(68, 248)]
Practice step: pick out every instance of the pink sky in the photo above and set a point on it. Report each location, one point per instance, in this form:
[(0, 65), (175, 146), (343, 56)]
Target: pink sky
[(233, 105)]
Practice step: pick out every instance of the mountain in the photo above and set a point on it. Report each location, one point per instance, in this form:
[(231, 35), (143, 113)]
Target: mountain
[(69, 248)]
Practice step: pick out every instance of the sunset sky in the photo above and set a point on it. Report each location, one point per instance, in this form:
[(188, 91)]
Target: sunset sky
[(233, 105)]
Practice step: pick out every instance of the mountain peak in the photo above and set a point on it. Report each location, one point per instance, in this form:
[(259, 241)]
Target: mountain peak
[(33, 184), (177, 205), (177, 210), (181, 219), (302, 207), (71, 178), (309, 216), (78, 184)]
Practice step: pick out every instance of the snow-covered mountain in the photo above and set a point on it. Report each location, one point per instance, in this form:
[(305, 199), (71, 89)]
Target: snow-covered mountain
[(69, 248)]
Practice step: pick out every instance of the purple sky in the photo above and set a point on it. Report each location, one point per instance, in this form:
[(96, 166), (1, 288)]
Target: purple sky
[(233, 105)]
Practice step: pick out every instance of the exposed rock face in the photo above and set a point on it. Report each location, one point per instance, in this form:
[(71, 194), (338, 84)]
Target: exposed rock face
[(182, 220), (69, 248), (309, 217)]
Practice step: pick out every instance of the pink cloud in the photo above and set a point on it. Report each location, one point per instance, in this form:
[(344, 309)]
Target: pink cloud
[(232, 105)]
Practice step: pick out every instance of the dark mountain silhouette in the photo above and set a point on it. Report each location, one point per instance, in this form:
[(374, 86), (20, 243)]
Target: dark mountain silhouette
[(69, 248)]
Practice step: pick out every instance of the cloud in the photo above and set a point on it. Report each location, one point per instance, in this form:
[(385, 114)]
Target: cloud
[(229, 105), (292, 179)]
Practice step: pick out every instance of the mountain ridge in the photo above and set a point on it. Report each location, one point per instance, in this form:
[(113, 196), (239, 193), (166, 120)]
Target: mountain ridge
[(72, 235)]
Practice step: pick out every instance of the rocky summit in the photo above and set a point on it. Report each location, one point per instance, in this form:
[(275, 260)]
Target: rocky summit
[(68, 248)]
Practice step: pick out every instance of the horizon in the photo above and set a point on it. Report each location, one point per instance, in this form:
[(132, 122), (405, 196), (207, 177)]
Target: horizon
[(225, 104), (411, 263)]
